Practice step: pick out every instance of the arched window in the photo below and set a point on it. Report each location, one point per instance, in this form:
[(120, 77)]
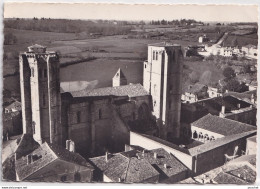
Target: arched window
[(156, 55), (212, 138), (33, 127), (153, 55), (195, 134)]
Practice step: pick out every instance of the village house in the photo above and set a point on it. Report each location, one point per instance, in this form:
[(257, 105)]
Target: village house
[(52, 163), (212, 127), (250, 51), (214, 92), (198, 157), (226, 51), (144, 165), (203, 39), (13, 107), (194, 93), (124, 167)]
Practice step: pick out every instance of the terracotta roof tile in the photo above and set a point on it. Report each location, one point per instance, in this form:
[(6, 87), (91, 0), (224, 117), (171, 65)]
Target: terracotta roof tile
[(128, 168), (222, 126), (131, 90)]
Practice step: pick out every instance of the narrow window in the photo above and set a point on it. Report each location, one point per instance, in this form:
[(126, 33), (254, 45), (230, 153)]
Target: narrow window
[(45, 73), (153, 55), (54, 126), (32, 70), (43, 100), (33, 127), (156, 55), (78, 117), (100, 114)]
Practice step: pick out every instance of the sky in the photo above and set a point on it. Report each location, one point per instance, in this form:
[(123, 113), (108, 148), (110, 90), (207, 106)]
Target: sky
[(206, 13)]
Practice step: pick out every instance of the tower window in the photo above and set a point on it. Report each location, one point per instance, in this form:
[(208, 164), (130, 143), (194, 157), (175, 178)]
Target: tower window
[(153, 55), (45, 73), (32, 70), (54, 126), (78, 117), (33, 127), (43, 100), (99, 114), (145, 66), (156, 56)]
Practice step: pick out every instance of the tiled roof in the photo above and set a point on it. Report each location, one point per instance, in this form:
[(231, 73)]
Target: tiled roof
[(46, 154), (195, 88), (66, 155), (245, 96), (224, 178), (131, 90), (188, 181), (245, 173), (219, 142), (174, 166), (163, 44), (230, 103), (122, 165), (222, 126), (15, 105)]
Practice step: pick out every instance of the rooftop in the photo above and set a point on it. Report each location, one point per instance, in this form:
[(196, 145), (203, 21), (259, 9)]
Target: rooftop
[(224, 178), (219, 142), (123, 167), (253, 139), (222, 126), (195, 88), (131, 90), (44, 155), (174, 166)]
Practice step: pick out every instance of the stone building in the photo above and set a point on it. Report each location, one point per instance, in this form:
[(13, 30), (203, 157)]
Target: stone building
[(162, 79), (40, 94), (100, 119), (52, 163)]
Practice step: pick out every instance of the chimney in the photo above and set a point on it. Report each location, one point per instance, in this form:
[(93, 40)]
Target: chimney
[(29, 159), (238, 106), (155, 155), (223, 109), (165, 166)]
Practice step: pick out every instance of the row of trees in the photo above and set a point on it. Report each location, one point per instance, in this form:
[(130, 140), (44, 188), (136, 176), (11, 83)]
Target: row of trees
[(67, 26), (175, 22)]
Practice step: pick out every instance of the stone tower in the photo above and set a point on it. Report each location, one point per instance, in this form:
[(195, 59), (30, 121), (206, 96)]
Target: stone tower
[(119, 79), (40, 94), (162, 79)]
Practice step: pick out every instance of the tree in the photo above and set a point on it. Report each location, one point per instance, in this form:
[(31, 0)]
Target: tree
[(205, 78), (234, 85), (10, 39), (229, 73)]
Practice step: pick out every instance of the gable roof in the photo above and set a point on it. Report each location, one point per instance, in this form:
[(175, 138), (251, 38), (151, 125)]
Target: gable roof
[(123, 165), (131, 90), (222, 126), (174, 166), (224, 178), (44, 155)]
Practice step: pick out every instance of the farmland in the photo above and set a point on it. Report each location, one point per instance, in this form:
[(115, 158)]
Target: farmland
[(98, 58)]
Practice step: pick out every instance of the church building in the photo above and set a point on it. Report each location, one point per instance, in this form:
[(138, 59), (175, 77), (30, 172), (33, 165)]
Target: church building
[(100, 119)]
